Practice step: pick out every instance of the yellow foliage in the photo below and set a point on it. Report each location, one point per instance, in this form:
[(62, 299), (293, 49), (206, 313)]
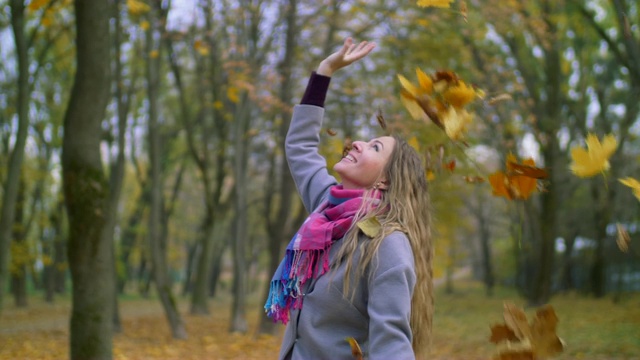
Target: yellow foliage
[(232, 94), (595, 159), (201, 47), (137, 7), (440, 98), (435, 3), (36, 5)]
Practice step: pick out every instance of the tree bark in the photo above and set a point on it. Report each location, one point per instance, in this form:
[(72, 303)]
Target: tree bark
[(86, 189)]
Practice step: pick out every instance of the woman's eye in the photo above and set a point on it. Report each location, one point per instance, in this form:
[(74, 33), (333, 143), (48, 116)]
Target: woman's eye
[(376, 147)]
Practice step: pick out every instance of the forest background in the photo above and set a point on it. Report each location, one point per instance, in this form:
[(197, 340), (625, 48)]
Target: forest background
[(142, 145)]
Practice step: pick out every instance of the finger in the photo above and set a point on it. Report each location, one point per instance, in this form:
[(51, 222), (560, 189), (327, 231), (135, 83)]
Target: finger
[(348, 43)]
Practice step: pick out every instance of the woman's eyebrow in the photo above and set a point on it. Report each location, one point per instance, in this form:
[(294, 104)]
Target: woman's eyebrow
[(379, 142)]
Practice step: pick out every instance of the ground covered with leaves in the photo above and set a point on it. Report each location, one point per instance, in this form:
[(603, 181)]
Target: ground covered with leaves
[(591, 328)]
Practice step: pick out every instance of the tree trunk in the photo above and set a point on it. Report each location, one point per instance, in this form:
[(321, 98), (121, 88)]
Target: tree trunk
[(19, 250), (86, 189), (158, 256), (280, 226), (7, 213)]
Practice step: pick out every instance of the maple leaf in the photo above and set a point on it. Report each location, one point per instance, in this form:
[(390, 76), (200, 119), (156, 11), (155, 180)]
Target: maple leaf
[(518, 339), (435, 3), (515, 183), (456, 122), (595, 159), (633, 184), (440, 98)]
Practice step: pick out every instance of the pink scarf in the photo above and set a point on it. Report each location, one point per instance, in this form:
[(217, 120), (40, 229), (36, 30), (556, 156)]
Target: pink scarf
[(307, 255)]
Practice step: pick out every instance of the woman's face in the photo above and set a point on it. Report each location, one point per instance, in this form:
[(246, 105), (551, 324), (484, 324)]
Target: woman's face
[(362, 167)]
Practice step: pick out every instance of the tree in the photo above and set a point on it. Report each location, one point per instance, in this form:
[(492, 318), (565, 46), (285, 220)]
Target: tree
[(11, 184), (85, 186), (157, 222)]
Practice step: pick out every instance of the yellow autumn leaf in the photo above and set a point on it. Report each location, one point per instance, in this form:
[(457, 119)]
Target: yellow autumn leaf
[(595, 159), (232, 94), (435, 3), (154, 54), (459, 95), (413, 142), (36, 5), (633, 184), (455, 123), (144, 25), (369, 226), (137, 7), (201, 47)]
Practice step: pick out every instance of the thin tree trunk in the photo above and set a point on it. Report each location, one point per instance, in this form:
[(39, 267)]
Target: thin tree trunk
[(7, 213), (86, 188), (19, 250), (158, 256), (279, 227)]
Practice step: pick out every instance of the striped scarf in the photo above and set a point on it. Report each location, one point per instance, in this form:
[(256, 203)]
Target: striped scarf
[(307, 255)]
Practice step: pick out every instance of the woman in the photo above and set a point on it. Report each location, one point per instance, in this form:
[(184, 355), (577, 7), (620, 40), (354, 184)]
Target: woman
[(335, 282)]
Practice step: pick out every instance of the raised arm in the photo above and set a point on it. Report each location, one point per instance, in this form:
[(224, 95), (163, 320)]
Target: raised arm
[(308, 167)]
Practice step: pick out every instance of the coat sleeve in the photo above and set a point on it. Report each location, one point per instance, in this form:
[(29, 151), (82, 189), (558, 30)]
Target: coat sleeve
[(308, 167), (389, 306)]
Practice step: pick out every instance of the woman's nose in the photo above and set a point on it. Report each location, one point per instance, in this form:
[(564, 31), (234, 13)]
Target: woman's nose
[(358, 145)]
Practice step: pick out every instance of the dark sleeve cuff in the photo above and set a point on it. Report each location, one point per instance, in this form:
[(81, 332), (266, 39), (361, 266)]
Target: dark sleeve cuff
[(316, 91)]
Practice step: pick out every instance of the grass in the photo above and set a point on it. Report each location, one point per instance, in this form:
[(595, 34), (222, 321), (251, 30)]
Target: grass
[(594, 329), (591, 328)]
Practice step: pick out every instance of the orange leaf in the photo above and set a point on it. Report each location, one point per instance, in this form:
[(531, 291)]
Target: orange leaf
[(501, 332), (355, 349)]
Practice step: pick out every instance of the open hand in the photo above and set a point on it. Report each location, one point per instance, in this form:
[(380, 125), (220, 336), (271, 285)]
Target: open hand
[(348, 54)]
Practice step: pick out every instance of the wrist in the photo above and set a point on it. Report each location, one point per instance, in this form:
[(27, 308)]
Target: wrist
[(324, 69)]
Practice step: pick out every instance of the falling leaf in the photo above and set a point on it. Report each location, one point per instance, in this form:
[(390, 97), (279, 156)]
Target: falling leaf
[(455, 123), (519, 339), (347, 146), (201, 47), (501, 97), (137, 7), (36, 5), (144, 25), (595, 159), (526, 170), (331, 132), (623, 239), (633, 184), (435, 3), (430, 175), (451, 165), (381, 121), (502, 332), (463, 10), (154, 54), (232, 94), (355, 349), (512, 184), (369, 226), (440, 98)]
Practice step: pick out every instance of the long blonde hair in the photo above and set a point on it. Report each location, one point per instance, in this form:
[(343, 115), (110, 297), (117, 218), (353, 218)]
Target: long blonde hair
[(404, 207)]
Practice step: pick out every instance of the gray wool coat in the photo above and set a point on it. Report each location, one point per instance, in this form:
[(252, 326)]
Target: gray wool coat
[(378, 314)]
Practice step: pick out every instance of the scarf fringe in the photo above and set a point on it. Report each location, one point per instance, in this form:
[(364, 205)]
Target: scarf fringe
[(286, 293)]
